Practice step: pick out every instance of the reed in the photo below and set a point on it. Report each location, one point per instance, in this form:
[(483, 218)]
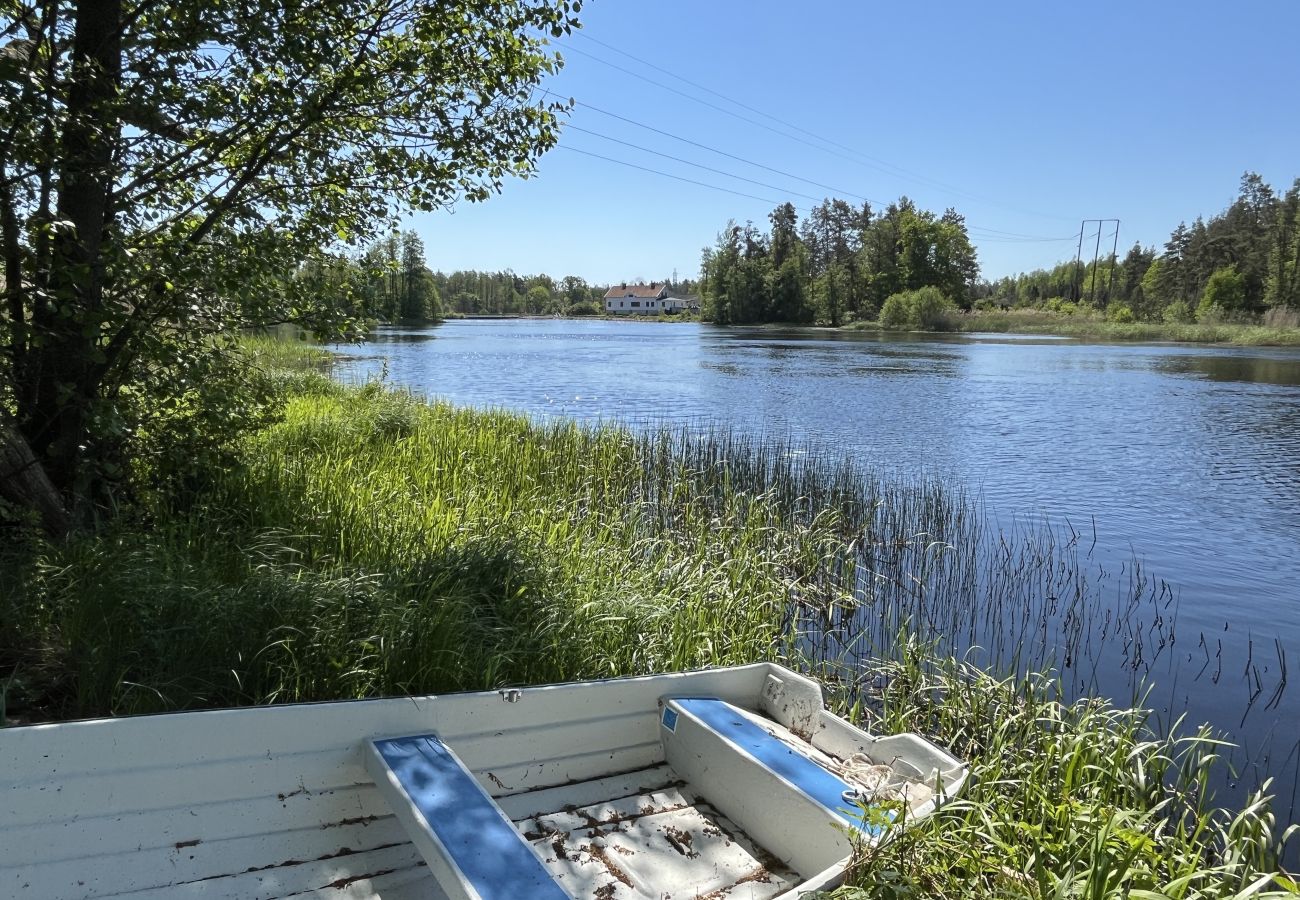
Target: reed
[(1080, 800)]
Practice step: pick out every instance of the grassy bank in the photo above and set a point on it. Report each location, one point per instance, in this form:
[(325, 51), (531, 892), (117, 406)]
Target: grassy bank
[(370, 544), (1092, 327), (366, 543)]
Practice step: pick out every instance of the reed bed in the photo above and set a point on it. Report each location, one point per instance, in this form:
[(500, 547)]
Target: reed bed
[(367, 543), (1066, 799)]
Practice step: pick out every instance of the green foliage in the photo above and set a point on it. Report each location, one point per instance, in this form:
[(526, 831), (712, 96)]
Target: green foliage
[(1121, 314), (895, 315), (505, 293), (1282, 282), (1258, 236), (1064, 800), (838, 267), (1224, 296), (538, 300), (366, 544), (1179, 313), (584, 308), (925, 309), (205, 154)]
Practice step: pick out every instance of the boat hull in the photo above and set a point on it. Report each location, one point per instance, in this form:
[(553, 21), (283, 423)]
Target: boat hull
[(273, 802)]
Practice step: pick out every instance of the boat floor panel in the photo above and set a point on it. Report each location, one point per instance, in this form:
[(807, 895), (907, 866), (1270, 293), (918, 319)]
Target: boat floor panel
[(651, 845)]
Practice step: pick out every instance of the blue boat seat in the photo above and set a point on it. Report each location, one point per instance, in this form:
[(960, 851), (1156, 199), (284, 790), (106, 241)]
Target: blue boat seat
[(793, 768), (473, 850), (801, 812)]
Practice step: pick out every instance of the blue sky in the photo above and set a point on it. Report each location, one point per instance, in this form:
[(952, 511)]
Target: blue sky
[(1024, 116)]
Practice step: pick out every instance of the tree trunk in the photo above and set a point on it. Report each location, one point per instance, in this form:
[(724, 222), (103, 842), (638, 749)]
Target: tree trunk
[(24, 483), (62, 373)]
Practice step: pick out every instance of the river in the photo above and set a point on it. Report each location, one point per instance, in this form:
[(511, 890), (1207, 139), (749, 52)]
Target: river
[(1185, 459)]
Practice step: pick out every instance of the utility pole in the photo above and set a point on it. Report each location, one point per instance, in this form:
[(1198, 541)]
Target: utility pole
[(1114, 251), (1096, 256), (1078, 261)]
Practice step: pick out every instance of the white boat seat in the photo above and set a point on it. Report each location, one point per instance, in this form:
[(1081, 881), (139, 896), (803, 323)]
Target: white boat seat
[(464, 837)]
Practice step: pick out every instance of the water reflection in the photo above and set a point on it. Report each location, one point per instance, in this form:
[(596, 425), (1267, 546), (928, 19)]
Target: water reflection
[(397, 336), (1251, 368)]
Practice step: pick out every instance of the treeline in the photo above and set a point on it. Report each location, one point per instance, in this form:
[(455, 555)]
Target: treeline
[(839, 265), (390, 282), (387, 282), (473, 293), (1237, 266)]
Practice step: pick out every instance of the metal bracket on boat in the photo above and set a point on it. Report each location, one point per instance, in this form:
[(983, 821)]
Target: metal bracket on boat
[(510, 695)]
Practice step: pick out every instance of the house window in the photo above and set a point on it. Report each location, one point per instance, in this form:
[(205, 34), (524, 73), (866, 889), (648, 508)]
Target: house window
[(636, 303)]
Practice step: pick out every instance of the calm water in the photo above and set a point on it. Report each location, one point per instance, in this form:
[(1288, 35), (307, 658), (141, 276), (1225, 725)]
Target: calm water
[(1184, 458)]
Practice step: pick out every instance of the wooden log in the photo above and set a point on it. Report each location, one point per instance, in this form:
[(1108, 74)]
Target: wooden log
[(24, 483)]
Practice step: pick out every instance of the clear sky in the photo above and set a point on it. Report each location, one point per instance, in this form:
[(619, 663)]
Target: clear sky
[(1024, 116)]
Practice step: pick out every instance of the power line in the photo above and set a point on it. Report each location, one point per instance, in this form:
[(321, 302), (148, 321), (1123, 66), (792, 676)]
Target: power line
[(858, 156), (623, 162), (713, 106), (714, 187), (689, 163), (896, 169), (741, 159), (995, 235)]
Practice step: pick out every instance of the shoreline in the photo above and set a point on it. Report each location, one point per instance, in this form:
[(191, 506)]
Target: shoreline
[(1030, 326)]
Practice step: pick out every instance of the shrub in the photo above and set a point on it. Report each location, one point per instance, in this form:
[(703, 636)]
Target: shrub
[(1209, 313), (582, 308), (1226, 290), (1178, 313), (924, 309), (1121, 315), (894, 313)]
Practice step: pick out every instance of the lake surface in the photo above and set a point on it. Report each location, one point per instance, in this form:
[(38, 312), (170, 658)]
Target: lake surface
[(1184, 458)]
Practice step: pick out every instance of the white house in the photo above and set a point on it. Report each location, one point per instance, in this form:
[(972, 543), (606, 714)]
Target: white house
[(642, 299)]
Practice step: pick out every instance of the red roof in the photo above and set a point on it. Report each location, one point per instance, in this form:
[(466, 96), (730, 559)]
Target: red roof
[(636, 291)]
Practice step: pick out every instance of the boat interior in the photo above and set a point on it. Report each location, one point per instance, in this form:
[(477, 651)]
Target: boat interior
[(729, 783)]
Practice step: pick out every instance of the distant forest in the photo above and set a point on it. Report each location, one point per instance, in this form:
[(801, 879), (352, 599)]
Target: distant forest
[(1237, 266), (902, 266), (847, 263), (390, 282)]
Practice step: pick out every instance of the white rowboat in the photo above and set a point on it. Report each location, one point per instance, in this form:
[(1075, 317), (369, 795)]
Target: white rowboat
[(726, 783)]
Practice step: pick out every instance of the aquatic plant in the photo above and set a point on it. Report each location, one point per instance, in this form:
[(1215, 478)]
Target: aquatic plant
[(1066, 799)]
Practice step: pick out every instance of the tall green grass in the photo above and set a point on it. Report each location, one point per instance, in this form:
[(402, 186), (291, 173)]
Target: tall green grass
[(1077, 800), (370, 544)]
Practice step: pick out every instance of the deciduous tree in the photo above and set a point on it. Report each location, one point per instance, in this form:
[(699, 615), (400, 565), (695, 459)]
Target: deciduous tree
[(165, 166)]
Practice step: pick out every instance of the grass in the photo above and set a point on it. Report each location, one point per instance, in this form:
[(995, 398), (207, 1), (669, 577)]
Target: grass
[(368, 544), (1097, 328), (1065, 799)]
